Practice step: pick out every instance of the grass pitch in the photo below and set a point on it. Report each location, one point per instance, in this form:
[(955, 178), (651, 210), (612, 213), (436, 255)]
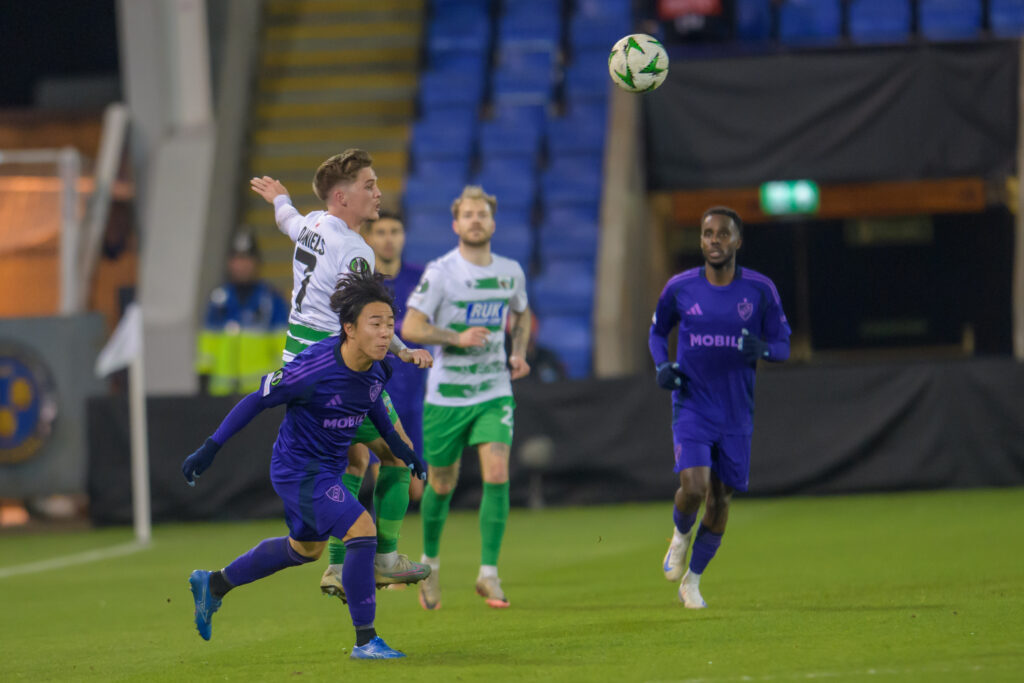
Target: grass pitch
[(922, 586)]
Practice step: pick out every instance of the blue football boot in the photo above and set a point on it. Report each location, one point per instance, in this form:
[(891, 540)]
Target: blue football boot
[(375, 649), (206, 604)]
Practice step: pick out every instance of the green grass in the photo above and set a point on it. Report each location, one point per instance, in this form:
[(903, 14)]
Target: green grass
[(924, 586)]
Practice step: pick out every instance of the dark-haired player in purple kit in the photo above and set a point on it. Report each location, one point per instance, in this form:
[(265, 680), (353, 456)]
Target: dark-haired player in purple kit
[(330, 388), (728, 318)]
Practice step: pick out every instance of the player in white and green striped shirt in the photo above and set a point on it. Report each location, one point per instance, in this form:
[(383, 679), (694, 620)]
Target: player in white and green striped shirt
[(462, 305)]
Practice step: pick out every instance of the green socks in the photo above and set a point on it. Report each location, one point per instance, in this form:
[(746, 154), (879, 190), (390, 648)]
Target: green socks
[(335, 546), (434, 511), (493, 516), (391, 501)]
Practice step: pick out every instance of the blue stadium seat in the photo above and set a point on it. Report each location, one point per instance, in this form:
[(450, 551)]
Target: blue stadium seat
[(529, 114), (459, 62), (442, 88), (427, 168), (572, 180), (1006, 18), (586, 77), (507, 167), (518, 214), (517, 87), (593, 110), (514, 241), (427, 222), (571, 338), (573, 242), (594, 32), (753, 20), (430, 193), (500, 138), (571, 214), (462, 117), (949, 19), (513, 193), (564, 290), (469, 33), (530, 31), (433, 139), (879, 21), (617, 10), (577, 134), (809, 21)]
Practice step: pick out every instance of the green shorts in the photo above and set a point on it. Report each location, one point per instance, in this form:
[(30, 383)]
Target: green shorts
[(447, 430), (367, 432)]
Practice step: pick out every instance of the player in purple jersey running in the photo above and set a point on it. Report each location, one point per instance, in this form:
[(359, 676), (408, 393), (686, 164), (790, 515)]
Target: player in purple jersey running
[(329, 388), (729, 318)]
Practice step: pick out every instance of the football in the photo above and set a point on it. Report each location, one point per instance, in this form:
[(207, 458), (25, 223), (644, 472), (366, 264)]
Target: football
[(638, 63)]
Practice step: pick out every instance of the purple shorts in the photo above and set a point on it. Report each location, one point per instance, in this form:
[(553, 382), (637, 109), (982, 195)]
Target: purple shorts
[(317, 506), (728, 455)]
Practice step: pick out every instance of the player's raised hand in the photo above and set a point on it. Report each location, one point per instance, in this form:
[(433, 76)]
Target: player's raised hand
[(753, 348), (421, 357), (267, 187), (199, 461), (670, 376), (518, 367), (473, 336)]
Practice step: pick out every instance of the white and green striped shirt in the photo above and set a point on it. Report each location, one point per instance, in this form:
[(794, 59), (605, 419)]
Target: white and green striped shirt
[(456, 294), (325, 249)]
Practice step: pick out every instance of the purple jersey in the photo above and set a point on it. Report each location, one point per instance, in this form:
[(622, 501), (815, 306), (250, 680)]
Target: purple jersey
[(720, 390), (408, 383), (327, 401)]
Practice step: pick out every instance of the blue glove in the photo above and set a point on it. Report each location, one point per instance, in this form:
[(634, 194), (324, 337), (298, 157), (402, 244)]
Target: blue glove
[(670, 376), (753, 348), (406, 455), (197, 463)]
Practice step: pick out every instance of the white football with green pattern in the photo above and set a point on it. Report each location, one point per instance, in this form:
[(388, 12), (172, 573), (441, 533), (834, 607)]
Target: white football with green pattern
[(638, 63)]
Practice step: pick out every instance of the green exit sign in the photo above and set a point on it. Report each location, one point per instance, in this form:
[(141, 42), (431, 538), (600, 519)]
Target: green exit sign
[(782, 197)]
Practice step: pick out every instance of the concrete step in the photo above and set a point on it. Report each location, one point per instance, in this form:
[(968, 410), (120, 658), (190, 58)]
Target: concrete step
[(320, 114)]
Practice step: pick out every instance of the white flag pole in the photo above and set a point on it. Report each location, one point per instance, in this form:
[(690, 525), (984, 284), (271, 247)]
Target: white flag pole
[(140, 446), (125, 349)]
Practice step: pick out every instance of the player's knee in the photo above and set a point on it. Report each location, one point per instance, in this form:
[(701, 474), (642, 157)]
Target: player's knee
[(442, 480), (693, 497), (302, 552)]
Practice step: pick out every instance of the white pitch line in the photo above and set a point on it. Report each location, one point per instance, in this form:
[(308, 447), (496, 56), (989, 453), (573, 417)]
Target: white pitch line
[(71, 560)]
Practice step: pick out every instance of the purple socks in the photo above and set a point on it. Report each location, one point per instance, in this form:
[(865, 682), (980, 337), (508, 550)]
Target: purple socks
[(683, 522), (704, 548), (271, 555), (357, 579)]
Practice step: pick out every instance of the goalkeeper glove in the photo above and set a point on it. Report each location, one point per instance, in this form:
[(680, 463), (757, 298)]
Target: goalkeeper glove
[(197, 463), (753, 348), (670, 376), (406, 454)]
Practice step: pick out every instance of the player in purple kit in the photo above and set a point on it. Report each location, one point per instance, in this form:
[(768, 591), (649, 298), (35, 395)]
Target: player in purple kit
[(330, 388), (728, 318)]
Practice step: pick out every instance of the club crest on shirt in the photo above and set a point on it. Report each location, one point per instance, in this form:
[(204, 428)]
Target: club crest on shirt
[(336, 493), (745, 309), (375, 390)]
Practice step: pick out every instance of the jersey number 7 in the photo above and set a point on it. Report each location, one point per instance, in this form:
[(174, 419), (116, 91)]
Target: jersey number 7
[(309, 260)]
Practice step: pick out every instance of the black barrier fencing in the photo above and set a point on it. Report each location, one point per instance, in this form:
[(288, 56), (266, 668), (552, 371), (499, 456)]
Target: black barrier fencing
[(818, 430)]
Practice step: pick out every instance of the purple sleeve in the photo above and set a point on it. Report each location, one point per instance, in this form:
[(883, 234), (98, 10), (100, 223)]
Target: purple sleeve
[(380, 418), (776, 330), (665, 318), (241, 415)]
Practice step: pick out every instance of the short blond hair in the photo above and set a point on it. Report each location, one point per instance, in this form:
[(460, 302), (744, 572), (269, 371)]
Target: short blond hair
[(340, 168), (474, 192)]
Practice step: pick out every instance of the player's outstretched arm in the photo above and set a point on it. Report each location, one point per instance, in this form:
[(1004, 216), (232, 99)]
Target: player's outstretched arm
[(287, 217), (417, 329), (201, 459)]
